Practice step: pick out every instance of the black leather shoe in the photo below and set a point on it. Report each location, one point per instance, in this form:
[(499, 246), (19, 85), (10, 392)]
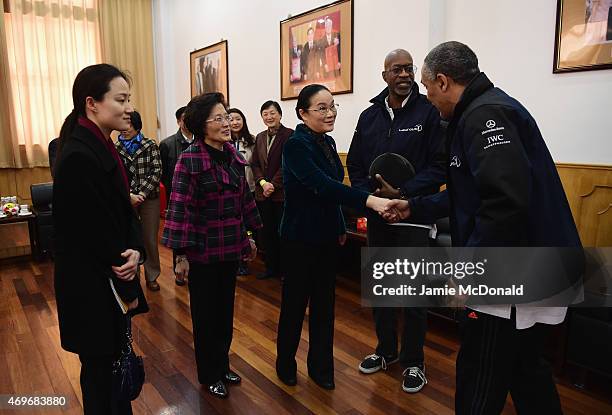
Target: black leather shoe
[(232, 377), (218, 389), (289, 380), (325, 384), (265, 275), (179, 282)]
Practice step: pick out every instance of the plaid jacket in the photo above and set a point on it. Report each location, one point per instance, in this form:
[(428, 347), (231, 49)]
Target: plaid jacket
[(144, 168), (211, 207)]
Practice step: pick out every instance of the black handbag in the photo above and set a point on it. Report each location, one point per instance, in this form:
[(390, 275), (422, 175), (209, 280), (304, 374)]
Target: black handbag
[(128, 370)]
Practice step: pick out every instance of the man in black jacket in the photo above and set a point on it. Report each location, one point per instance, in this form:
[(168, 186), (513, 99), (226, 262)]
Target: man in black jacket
[(503, 190), (402, 121), (170, 149)]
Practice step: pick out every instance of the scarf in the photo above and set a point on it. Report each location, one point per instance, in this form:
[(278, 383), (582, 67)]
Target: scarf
[(131, 144)]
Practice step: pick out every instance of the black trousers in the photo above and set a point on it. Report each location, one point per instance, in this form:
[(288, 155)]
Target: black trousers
[(211, 297), (496, 358), (413, 334), (271, 215), (385, 318), (312, 282), (97, 387)]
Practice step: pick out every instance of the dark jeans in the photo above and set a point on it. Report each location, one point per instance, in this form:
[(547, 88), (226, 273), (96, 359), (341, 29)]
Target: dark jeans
[(211, 297), (311, 283), (385, 318), (496, 358), (271, 215), (97, 387)]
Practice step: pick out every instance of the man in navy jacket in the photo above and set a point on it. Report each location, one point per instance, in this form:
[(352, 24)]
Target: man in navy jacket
[(503, 190), (400, 120)]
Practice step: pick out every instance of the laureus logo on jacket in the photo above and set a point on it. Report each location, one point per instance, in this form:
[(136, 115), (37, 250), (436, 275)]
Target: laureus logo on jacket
[(455, 162), (417, 128)]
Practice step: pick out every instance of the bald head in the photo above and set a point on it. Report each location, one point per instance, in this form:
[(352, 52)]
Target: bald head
[(395, 55)]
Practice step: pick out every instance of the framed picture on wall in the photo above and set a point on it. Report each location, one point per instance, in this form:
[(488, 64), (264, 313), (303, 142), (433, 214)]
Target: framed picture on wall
[(209, 72), (584, 35), (316, 47)]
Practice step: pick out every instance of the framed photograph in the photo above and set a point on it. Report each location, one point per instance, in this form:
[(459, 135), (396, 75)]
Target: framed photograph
[(583, 40), (209, 72), (316, 47)]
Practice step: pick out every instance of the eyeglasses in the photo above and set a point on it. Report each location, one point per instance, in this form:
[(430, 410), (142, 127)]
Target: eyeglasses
[(323, 109), (397, 70), (220, 118)]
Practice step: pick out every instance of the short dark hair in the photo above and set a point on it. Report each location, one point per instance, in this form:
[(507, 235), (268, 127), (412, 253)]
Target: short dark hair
[(269, 104), (92, 81), (453, 59), (136, 120), (310, 29), (198, 110), (306, 94), (179, 112), (244, 133)]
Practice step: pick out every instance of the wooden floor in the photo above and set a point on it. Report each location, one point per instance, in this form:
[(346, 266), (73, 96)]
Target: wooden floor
[(32, 362)]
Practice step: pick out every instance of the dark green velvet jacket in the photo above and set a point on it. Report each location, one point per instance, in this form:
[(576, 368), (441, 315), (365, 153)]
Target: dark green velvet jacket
[(314, 190)]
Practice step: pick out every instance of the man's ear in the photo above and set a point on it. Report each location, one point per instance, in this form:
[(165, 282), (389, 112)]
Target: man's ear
[(384, 76), (443, 82)]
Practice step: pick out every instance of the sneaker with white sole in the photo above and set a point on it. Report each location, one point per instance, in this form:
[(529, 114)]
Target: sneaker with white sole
[(414, 379), (373, 363)]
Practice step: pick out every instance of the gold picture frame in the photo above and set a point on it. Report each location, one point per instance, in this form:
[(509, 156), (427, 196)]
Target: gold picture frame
[(317, 47)]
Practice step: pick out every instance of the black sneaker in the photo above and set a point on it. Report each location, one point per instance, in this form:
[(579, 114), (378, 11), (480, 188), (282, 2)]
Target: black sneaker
[(373, 363), (414, 379)]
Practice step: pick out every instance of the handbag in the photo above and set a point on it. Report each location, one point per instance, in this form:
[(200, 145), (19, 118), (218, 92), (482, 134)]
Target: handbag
[(128, 370)]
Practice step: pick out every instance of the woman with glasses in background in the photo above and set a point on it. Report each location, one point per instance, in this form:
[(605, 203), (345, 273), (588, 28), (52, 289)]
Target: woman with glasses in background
[(312, 227), (210, 210), (244, 142)]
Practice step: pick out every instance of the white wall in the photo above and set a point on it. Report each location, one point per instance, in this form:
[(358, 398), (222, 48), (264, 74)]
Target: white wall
[(514, 42), (252, 30)]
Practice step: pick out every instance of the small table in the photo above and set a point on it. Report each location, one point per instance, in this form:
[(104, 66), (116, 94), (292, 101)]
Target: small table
[(31, 219)]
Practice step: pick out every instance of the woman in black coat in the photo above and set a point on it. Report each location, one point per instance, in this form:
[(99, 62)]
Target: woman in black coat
[(98, 237)]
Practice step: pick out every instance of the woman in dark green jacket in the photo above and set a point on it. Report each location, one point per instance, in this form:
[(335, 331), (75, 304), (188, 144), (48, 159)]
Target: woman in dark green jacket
[(311, 228)]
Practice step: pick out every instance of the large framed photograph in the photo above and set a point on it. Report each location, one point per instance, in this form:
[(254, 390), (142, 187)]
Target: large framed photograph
[(209, 72), (583, 39), (317, 48)]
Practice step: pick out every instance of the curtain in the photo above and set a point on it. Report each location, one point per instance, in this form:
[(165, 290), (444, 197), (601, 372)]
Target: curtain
[(47, 42), (127, 42)]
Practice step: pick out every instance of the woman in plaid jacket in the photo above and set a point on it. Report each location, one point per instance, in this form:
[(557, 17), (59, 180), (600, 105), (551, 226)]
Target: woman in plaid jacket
[(141, 159), (211, 208)]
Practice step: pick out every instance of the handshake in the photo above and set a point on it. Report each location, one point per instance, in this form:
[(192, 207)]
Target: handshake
[(391, 210)]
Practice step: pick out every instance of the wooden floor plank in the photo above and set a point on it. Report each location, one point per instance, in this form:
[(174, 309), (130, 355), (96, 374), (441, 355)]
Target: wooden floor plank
[(31, 358)]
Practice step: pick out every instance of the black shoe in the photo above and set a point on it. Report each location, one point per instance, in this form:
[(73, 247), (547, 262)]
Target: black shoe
[(218, 389), (179, 282), (232, 377), (265, 275), (324, 383), (289, 380), (373, 363), (414, 379)]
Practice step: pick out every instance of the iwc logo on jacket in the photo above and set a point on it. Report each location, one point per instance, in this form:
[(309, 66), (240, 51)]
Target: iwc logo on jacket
[(494, 135)]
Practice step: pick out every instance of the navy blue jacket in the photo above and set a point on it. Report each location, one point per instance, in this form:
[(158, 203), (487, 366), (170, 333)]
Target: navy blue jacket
[(503, 187), (314, 191), (414, 133)]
